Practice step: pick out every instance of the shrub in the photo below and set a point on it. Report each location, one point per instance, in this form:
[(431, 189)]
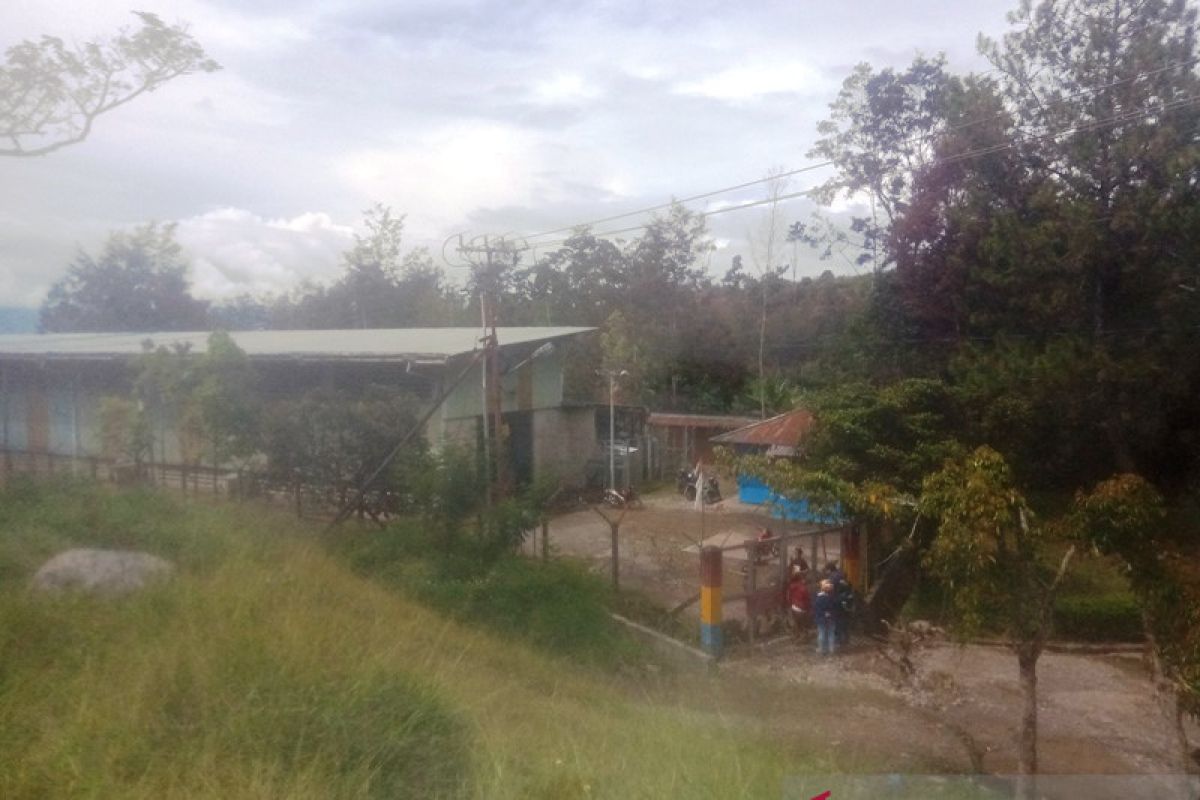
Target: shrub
[(1103, 618)]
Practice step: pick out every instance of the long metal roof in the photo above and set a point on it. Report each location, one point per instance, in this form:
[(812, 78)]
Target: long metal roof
[(379, 344)]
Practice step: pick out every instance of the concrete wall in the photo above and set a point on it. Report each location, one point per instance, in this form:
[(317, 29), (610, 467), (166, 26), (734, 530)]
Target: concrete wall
[(535, 385), (563, 441)]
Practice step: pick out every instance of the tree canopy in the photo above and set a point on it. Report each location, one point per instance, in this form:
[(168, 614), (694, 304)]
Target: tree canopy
[(51, 94), (138, 282)]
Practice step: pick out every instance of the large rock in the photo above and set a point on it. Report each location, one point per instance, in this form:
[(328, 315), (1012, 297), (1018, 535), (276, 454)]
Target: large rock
[(109, 572)]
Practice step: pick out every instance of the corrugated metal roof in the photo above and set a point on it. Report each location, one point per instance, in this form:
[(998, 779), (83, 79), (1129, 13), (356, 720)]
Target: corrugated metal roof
[(725, 423), (380, 344), (785, 430)]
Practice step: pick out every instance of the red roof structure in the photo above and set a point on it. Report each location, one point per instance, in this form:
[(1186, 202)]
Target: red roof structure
[(667, 419), (779, 433)]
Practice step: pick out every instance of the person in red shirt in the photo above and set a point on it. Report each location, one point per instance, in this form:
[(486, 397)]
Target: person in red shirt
[(799, 602)]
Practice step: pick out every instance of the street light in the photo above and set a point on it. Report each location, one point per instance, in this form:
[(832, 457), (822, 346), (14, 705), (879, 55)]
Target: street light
[(612, 425)]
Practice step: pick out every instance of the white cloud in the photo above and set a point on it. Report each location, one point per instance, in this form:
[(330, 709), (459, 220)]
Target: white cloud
[(565, 88), (751, 81), (235, 251), (441, 176)]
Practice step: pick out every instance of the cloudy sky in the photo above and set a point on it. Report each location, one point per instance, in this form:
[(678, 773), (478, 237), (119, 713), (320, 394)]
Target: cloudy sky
[(486, 117)]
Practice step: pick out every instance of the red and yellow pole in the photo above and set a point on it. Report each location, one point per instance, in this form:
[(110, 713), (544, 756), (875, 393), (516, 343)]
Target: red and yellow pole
[(710, 601)]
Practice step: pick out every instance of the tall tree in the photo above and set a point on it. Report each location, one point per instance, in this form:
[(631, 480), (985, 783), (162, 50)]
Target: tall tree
[(882, 128), (138, 282), (51, 94), (991, 553)]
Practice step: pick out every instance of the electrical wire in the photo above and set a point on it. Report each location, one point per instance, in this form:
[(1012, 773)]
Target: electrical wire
[(1116, 119), (822, 164)]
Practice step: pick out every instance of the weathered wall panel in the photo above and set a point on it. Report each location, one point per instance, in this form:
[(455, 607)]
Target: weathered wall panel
[(38, 421)]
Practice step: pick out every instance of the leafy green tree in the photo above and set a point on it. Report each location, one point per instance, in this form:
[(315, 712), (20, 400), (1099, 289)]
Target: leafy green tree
[(163, 387), (990, 553), (137, 283), (881, 128), (381, 286), (334, 439), (51, 94), (125, 432), (228, 402), (1126, 517)]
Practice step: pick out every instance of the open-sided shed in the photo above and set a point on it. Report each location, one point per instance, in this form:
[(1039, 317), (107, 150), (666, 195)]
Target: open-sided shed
[(52, 386)]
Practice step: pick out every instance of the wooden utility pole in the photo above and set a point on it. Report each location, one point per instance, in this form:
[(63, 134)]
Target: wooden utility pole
[(487, 259)]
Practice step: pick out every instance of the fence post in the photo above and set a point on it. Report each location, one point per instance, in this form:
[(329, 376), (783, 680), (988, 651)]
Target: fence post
[(545, 539), (616, 561), (710, 600)]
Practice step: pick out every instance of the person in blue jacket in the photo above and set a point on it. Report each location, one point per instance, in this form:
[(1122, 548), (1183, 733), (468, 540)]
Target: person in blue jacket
[(826, 611), (844, 592)]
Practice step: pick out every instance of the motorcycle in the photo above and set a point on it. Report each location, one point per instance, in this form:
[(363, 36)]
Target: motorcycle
[(684, 479), (622, 498), (712, 490)]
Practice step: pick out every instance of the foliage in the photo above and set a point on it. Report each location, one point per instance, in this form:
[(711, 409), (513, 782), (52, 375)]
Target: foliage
[(334, 437), (988, 550), (137, 283), (51, 94), (880, 130), (124, 430), (893, 435), (227, 399), (1126, 517), (1109, 618), (381, 286)]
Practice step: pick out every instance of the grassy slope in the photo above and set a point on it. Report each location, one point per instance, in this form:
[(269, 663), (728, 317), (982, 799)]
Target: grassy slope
[(268, 669)]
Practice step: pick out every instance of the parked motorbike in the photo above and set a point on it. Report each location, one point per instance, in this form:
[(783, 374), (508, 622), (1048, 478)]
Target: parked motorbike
[(684, 479), (622, 498), (712, 490)]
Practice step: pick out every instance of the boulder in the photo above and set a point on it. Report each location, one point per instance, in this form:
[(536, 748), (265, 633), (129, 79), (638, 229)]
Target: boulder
[(107, 572)]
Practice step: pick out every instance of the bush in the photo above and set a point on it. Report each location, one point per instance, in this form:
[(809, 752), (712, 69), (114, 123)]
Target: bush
[(1104, 618)]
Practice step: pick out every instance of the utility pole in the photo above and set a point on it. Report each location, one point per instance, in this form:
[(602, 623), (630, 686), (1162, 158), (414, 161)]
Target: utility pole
[(612, 425), (487, 257)]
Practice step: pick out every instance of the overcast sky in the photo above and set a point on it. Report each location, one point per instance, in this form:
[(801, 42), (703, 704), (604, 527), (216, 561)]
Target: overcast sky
[(478, 116)]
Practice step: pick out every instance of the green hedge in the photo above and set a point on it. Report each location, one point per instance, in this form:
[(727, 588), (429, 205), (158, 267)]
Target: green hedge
[(1103, 618)]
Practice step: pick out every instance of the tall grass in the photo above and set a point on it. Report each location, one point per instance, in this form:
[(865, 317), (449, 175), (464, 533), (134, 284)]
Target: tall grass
[(557, 606), (267, 668)]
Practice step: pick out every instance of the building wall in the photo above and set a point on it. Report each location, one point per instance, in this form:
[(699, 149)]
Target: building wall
[(57, 409), (535, 385), (564, 439)]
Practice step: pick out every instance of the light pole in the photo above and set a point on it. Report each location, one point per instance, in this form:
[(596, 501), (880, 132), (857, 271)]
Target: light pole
[(612, 425)]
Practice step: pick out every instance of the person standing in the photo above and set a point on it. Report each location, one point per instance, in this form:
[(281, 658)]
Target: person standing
[(843, 593), (799, 602), (825, 613)]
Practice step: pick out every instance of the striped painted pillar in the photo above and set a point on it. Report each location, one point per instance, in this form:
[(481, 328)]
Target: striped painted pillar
[(710, 600)]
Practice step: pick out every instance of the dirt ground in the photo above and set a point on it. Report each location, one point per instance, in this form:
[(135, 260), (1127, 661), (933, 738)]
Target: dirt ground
[(1098, 713), (659, 544)]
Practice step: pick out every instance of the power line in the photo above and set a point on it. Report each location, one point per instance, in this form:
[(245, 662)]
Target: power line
[(1116, 119), (822, 164)]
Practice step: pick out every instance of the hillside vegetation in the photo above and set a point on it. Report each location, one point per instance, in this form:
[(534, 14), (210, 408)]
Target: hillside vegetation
[(268, 668)]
